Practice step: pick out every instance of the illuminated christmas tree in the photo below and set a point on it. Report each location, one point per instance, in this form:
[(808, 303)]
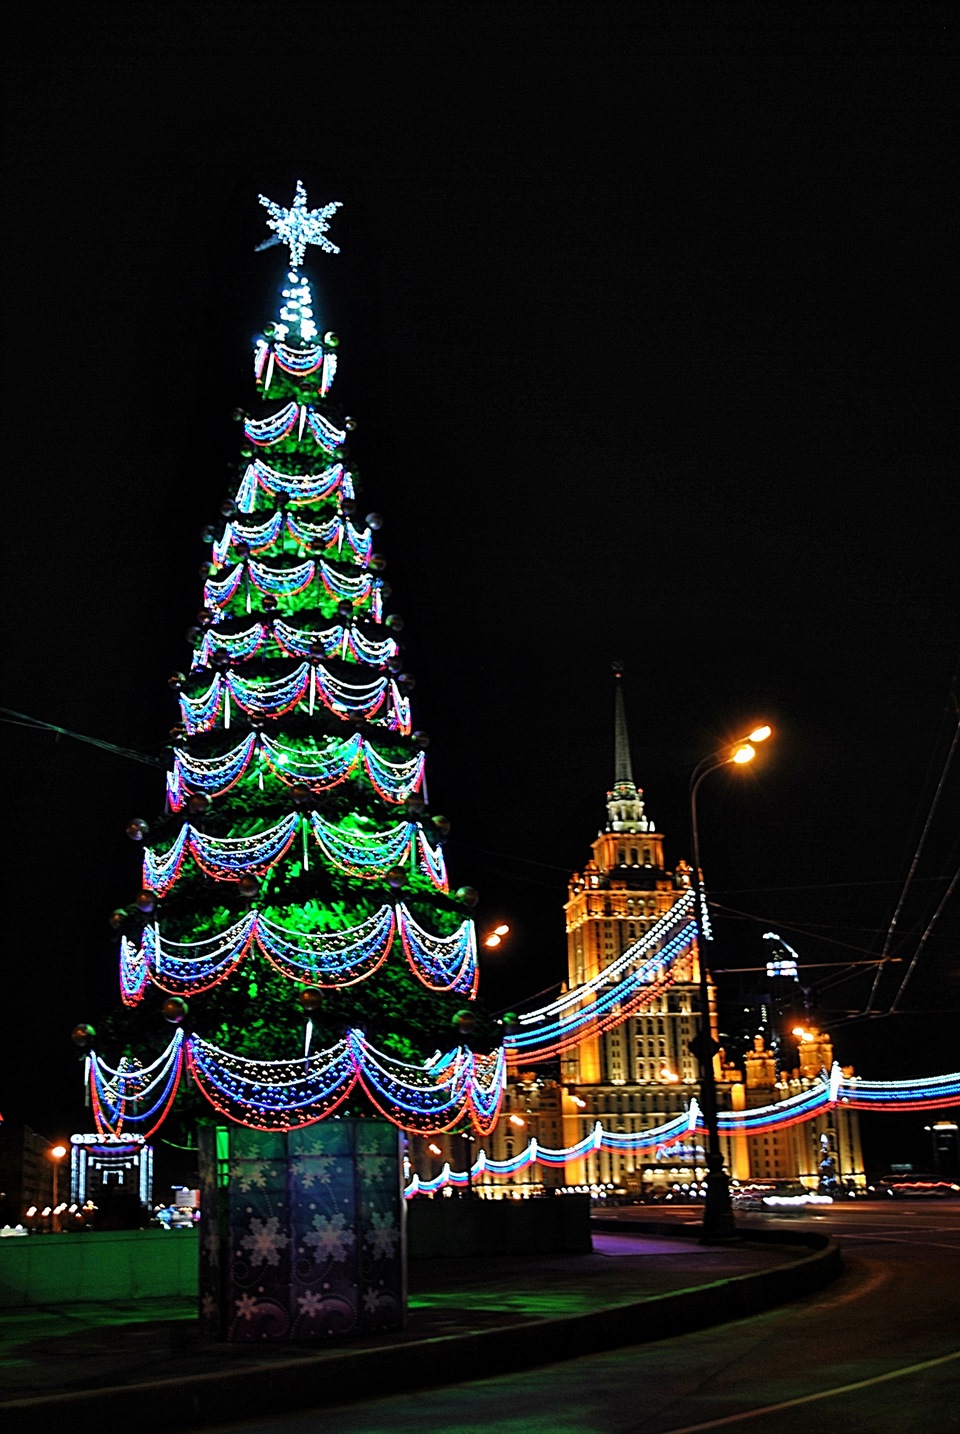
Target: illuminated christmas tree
[(295, 923)]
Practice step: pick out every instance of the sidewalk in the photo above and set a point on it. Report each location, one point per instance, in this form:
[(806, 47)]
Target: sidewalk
[(100, 1364)]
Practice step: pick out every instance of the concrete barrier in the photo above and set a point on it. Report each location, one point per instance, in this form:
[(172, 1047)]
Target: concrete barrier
[(97, 1265), (454, 1229)]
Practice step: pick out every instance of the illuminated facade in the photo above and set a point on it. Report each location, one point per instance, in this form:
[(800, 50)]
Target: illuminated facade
[(642, 1073)]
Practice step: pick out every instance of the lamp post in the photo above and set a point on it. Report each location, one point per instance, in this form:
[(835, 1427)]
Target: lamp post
[(718, 1221), (57, 1152)]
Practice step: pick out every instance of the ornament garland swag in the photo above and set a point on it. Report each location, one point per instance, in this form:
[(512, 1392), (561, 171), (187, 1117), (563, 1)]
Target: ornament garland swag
[(295, 922)]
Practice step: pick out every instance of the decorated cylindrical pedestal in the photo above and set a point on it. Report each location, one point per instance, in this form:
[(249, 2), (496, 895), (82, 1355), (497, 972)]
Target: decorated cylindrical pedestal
[(302, 1235)]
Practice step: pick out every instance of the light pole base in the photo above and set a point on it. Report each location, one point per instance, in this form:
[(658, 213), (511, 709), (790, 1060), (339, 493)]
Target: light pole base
[(719, 1226)]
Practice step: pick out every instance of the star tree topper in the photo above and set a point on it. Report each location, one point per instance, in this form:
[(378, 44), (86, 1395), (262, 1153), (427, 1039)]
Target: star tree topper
[(299, 226)]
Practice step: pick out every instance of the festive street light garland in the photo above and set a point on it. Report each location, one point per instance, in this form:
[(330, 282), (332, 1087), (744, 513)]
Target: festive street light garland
[(831, 1090), (610, 1007)]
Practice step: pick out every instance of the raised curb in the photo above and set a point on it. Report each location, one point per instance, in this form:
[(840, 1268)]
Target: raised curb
[(348, 1375)]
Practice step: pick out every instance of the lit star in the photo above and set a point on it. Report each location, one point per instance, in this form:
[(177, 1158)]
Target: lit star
[(299, 226)]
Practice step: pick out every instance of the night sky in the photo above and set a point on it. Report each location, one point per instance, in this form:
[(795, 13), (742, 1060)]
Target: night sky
[(648, 323)]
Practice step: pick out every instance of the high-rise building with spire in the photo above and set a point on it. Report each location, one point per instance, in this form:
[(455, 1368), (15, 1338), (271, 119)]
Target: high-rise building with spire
[(642, 1072)]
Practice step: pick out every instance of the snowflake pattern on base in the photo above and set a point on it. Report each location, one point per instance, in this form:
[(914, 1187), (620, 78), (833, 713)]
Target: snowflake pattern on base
[(309, 1230)]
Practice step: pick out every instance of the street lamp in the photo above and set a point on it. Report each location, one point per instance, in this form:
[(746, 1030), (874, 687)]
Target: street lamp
[(718, 1222), (56, 1153)]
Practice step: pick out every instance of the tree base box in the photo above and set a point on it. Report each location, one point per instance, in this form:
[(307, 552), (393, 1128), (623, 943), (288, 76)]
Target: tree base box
[(303, 1234)]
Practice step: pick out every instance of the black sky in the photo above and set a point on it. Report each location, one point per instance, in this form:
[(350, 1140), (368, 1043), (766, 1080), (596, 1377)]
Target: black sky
[(648, 319)]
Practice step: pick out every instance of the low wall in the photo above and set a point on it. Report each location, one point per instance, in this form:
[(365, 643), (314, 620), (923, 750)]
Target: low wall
[(441, 1228), (97, 1265)]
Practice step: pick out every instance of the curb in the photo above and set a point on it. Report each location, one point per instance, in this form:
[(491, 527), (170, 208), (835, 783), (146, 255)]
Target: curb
[(271, 1389)]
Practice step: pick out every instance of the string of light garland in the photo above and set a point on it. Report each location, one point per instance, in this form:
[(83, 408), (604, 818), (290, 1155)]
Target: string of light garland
[(608, 1008), (266, 431), (286, 1095), (372, 855), (347, 643), (296, 488), (379, 702), (289, 581), (126, 1095), (328, 959), (341, 758), (369, 855), (299, 363), (831, 1090)]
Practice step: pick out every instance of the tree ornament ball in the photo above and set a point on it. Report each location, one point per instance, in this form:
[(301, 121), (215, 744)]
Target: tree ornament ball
[(414, 803), (271, 603), (248, 887), (350, 424), (193, 635), (83, 1035), (146, 902), (395, 622), (377, 563), (310, 998), (345, 608), (341, 453), (137, 829), (395, 663), (204, 617), (374, 521), (302, 796), (349, 507), (198, 805), (421, 740), (208, 535), (331, 339), (465, 1020), (237, 414), (242, 549), (228, 507), (385, 589), (468, 895), (442, 825), (510, 1018), (269, 330), (117, 918), (407, 681), (174, 1010), (396, 876)]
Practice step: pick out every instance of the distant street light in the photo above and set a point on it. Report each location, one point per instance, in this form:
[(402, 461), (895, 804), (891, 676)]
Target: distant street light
[(718, 1221), (56, 1153), (496, 936)]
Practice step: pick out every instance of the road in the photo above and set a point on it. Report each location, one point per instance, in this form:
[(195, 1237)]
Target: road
[(877, 1351)]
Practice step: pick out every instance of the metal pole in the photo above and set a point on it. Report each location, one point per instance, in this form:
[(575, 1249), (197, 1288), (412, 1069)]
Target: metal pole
[(718, 1221)]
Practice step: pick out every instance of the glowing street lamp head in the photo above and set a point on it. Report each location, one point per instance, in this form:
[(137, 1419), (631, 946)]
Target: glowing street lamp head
[(57, 1152), (493, 939), (760, 734), (743, 753)]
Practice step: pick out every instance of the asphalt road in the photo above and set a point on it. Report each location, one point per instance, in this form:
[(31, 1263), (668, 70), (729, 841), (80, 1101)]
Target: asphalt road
[(878, 1351)]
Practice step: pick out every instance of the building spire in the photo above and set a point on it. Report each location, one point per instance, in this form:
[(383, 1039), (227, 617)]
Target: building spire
[(622, 770), (625, 801)]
